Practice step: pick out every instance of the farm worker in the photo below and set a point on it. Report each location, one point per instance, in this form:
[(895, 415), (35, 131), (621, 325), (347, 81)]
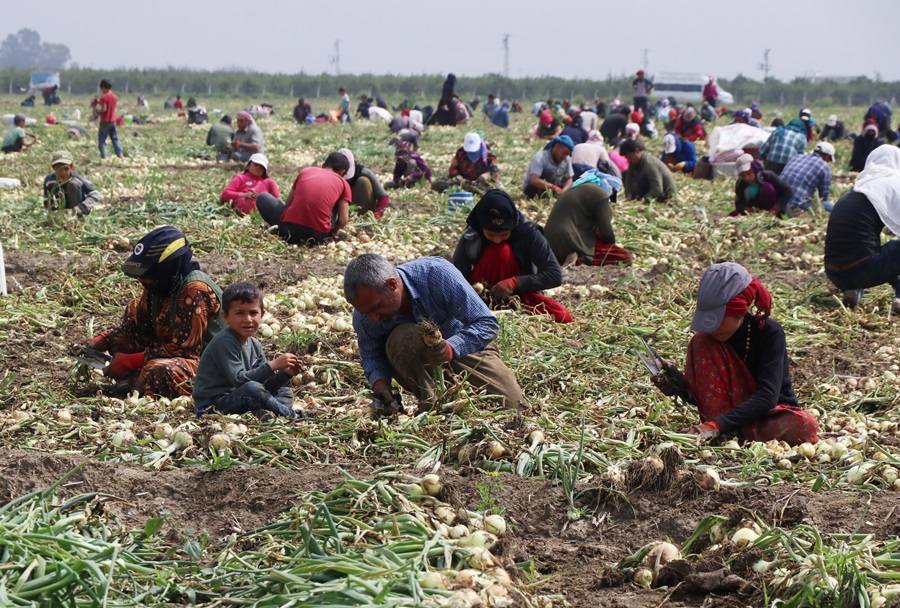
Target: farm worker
[(400, 121), (343, 110), (579, 229), (445, 114), (490, 106), (317, 206), (509, 256), (806, 173), (880, 112), (574, 129), (737, 364), (244, 188), (368, 193), (220, 136), (550, 170), (678, 155), (864, 144), (473, 168), (65, 189), (105, 107), (178, 105), (589, 118), (248, 139), (17, 138), (633, 131), (810, 123), (855, 259), (547, 127), (755, 112), (169, 104), (613, 126), (500, 117), (642, 88), (757, 188), (783, 144), (362, 108), (389, 304), (833, 129), (647, 177), (410, 135), (743, 117), (589, 154), (711, 92), (157, 345), (689, 127), (233, 376), (302, 111), (409, 168), (707, 113)]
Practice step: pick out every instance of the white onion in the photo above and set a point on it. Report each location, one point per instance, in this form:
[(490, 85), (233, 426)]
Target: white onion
[(744, 537), (459, 531), (162, 430), (707, 478), (643, 577), (479, 538), (495, 524), (431, 483), (858, 474), (220, 441), (182, 440), (481, 558), (64, 416), (445, 514), (661, 554), (433, 580), (123, 438), (468, 577)]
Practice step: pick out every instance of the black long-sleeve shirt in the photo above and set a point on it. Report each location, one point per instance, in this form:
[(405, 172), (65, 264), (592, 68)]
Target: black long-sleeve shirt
[(767, 361), (854, 230)]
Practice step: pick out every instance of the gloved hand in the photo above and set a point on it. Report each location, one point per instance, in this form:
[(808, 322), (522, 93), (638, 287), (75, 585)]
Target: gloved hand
[(502, 290), (670, 381), (98, 342), (442, 353), (123, 364), (555, 188), (383, 203), (381, 392), (707, 430)]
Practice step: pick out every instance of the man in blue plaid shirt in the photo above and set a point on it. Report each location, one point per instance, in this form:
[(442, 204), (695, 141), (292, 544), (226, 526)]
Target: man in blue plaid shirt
[(806, 173), (391, 301), (783, 145)]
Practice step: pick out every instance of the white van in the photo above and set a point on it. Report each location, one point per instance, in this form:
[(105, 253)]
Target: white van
[(685, 88)]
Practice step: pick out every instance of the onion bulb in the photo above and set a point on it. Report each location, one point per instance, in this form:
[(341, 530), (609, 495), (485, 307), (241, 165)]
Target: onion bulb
[(123, 438), (858, 474), (500, 575), (495, 524), (162, 430), (481, 558), (464, 598), (656, 463), (431, 483), (762, 566), (496, 595), (643, 577), (220, 441), (445, 514), (661, 554), (182, 440), (459, 531), (889, 474), (479, 288), (21, 415), (64, 416), (707, 478), (468, 577), (807, 450), (479, 538), (494, 450), (743, 537), (433, 580)]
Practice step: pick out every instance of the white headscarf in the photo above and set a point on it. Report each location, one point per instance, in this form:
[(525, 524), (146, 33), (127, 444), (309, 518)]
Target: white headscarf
[(880, 182), (349, 155)]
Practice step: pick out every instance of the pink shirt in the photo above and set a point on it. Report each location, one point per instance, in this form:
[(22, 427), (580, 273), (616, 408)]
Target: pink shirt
[(109, 100), (248, 183), (316, 191)]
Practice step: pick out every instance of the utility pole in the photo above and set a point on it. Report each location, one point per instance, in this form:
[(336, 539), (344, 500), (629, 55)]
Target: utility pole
[(336, 58), (765, 66), (506, 55), (646, 60)]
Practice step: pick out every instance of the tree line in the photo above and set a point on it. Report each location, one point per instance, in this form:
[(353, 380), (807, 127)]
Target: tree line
[(426, 88)]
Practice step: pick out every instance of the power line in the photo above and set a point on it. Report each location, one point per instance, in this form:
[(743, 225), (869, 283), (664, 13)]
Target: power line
[(506, 55), (765, 66), (336, 58)]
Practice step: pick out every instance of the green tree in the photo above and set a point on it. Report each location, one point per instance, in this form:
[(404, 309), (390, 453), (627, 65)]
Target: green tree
[(24, 49)]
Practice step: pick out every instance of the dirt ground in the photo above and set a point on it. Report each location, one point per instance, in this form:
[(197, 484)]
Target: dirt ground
[(572, 557)]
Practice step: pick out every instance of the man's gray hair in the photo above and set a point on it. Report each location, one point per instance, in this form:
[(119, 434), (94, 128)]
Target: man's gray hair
[(368, 270)]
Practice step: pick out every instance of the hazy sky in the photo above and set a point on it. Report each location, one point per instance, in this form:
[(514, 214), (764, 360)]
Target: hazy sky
[(571, 38)]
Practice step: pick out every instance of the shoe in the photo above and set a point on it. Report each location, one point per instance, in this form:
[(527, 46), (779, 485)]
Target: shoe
[(263, 415), (851, 297), (378, 214), (895, 306), (570, 260)]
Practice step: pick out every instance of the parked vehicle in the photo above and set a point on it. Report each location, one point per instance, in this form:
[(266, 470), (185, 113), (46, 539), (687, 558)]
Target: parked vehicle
[(685, 88)]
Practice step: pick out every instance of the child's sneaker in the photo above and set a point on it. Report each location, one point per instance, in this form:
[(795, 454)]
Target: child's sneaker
[(852, 297)]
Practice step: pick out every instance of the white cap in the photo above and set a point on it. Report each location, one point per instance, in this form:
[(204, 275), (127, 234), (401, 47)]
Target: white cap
[(823, 147), (743, 163), (260, 159), (352, 170), (832, 120), (669, 143), (472, 142)]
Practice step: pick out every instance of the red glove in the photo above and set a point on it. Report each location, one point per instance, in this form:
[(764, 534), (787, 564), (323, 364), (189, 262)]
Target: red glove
[(123, 364), (382, 203), (707, 430), (442, 353), (556, 188), (502, 290)]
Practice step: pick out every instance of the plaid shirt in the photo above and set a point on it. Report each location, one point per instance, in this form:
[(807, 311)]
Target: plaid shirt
[(781, 149), (439, 293), (806, 173)]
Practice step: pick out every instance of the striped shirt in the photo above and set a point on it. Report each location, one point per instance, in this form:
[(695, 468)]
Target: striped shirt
[(781, 149), (439, 293), (806, 173)]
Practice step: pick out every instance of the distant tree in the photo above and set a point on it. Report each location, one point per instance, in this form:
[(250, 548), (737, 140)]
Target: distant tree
[(25, 50)]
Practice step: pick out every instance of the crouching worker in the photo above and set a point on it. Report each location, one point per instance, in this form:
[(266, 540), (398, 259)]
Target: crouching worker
[(504, 251), (66, 190), (737, 364), (233, 376), (389, 304), (157, 346)]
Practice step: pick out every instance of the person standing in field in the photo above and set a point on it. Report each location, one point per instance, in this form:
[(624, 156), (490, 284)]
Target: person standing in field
[(344, 107), (105, 106), (642, 89), (711, 92)]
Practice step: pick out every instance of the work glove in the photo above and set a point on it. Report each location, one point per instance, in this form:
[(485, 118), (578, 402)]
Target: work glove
[(671, 382), (98, 342), (442, 353), (123, 364), (555, 188), (382, 400), (383, 203), (706, 431), (504, 289)]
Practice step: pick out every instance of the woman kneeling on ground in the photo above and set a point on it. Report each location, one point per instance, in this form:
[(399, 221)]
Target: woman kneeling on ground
[(737, 364), (503, 250), (245, 187), (758, 188)]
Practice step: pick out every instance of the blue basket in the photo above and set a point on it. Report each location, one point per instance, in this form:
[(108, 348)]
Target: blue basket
[(459, 200)]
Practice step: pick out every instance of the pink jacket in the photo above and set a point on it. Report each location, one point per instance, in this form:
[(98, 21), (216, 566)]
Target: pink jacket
[(245, 182)]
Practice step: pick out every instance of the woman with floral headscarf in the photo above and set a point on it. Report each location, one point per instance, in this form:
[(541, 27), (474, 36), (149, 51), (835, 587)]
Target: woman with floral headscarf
[(248, 139), (509, 256), (736, 372), (156, 347), (757, 188)]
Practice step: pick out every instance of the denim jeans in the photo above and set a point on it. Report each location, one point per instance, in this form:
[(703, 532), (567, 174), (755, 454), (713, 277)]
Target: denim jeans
[(241, 155), (108, 129), (273, 396), (878, 269), (271, 209)]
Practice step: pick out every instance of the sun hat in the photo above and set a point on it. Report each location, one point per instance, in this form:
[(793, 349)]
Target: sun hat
[(720, 283), (742, 163), (472, 142), (261, 160), (61, 157)]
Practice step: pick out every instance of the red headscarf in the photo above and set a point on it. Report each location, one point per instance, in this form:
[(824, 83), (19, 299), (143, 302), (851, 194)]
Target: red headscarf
[(755, 294)]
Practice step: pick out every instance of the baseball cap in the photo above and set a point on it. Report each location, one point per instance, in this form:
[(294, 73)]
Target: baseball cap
[(157, 246), (824, 147), (669, 144), (742, 163), (832, 120), (260, 159), (472, 142), (719, 284), (61, 157), (352, 170)]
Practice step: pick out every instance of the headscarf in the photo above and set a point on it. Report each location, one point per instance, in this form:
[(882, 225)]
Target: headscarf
[(595, 136), (562, 139), (496, 211), (880, 182), (244, 115), (636, 116), (744, 115), (871, 125), (632, 130), (755, 293), (164, 256), (796, 125), (349, 156), (664, 103), (545, 118)]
